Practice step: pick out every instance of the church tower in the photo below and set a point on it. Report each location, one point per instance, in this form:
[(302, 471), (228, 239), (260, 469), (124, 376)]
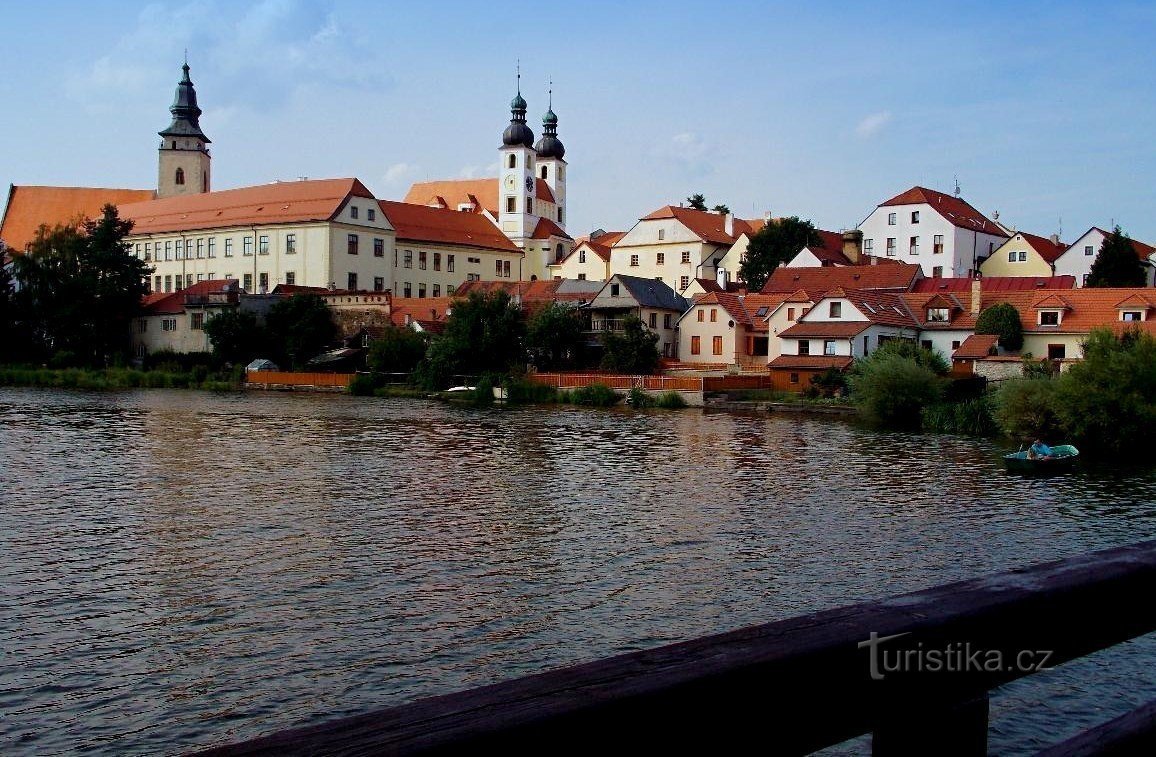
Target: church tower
[(516, 181), (184, 153), (551, 163)]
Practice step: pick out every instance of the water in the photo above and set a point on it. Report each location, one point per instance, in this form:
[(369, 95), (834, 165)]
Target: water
[(182, 569)]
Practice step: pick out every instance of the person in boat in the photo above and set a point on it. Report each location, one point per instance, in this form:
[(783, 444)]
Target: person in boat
[(1039, 451)]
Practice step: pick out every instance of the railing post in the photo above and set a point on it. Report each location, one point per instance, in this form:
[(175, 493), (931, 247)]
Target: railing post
[(951, 730)]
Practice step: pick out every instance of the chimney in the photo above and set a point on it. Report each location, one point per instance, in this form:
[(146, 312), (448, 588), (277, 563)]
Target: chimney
[(729, 224), (976, 294), (722, 277), (853, 245), (1055, 239)]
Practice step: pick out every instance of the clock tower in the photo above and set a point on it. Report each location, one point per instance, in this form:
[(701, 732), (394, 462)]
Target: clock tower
[(184, 153), (516, 187)]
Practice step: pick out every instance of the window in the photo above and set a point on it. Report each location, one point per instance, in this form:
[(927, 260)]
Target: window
[(634, 260), (379, 283), (868, 246), (506, 268), (408, 289), (794, 378), (890, 219), (695, 345), (582, 256), (180, 249), (351, 281), (683, 282), (955, 344), (168, 249), (913, 246), (614, 289), (543, 172), (937, 244), (937, 272), (581, 277), (290, 278), (891, 246), (714, 315), (200, 277), (685, 256), (148, 250), (926, 344), (352, 244), (449, 290), (197, 321), (1023, 257), (142, 325), (228, 247), (666, 321), (1131, 315), (437, 261), (804, 347), (180, 177), (1087, 249), (421, 290), (828, 346), (661, 234), (201, 247), (937, 315), (247, 282), (263, 245), (497, 268), (513, 161), (660, 258), (915, 216), (437, 290), (1057, 352), (247, 246), (836, 310), (421, 260), (716, 345), (450, 263), (790, 314), (1049, 318), (1011, 256), (157, 283), (353, 211), (371, 214), (168, 283), (1084, 280), (701, 315), (212, 247), (559, 215), (188, 281), (511, 204), (408, 262), (263, 282), (654, 320), (168, 324)]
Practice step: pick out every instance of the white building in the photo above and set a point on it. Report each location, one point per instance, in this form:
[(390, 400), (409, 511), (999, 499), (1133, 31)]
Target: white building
[(1078, 258)]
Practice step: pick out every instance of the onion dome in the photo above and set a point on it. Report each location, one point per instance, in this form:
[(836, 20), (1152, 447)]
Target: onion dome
[(549, 146), (518, 133)]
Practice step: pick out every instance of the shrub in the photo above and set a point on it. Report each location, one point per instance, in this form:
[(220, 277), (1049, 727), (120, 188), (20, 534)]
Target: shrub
[(362, 385), (892, 390), (520, 391), (830, 383), (484, 391), (1026, 408), (670, 401), (1003, 320), (972, 417), (595, 395), (639, 399)]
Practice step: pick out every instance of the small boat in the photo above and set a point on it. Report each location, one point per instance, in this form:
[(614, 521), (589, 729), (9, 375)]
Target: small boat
[(1063, 458)]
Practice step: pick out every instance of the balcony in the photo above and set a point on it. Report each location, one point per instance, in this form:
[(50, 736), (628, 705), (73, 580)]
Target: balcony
[(211, 299), (607, 324)]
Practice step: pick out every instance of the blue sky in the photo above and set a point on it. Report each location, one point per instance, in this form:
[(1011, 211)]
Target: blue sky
[(1044, 111)]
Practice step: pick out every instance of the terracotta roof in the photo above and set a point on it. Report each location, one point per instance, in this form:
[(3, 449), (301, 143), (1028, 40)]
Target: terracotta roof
[(1047, 249), (529, 291), (996, 284), (482, 193), (707, 226), (171, 303), (282, 202), (546, 229), (976, 347), (600, 245), (959, 310), (731, 303), (420, 223), (421, 309), (821, 329), (955, 209), (831, 253), (29, 208), (1084, 309), (899, 277), (811, 362)]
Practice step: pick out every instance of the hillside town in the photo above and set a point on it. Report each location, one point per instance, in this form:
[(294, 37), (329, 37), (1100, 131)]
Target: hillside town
[(922, 265)]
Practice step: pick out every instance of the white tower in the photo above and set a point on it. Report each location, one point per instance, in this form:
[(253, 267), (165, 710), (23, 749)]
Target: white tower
[(551, 163), (516, 179)]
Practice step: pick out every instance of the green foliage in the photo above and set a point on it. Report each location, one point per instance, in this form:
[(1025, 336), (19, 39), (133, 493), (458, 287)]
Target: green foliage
[(520, 391), (670, 401), (638, 399), (554, 338), (830, 383), (1026, 408), (399, 350), (775, 244), (483, 334), (632, 350), (909, 350), (891, 388), (80, 289), (9, 347), (104, 379), (484, 391), (721, 209), (363, 385), (972, 417), (237, 337), (1107, 401), (1117, 264), (696, 201), (299, 328), (1003, 320), (595, 395)]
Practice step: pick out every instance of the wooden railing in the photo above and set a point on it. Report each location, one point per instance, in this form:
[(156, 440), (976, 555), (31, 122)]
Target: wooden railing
[(285, 378), (789, 687)]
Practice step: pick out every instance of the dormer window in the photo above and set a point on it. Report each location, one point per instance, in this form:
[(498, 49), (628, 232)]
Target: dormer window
[(937, 315), (1131, 315), (613, 290), (836, 310), (1050, 317)]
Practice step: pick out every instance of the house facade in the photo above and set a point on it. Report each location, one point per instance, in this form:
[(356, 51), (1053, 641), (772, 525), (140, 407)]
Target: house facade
[(652, 301), (590, 258), (1078, 258), (1024, 255), (726, 330)]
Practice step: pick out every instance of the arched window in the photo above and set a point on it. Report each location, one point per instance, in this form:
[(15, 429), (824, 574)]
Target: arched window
[(513, 160), (180, 176), (544, 171)]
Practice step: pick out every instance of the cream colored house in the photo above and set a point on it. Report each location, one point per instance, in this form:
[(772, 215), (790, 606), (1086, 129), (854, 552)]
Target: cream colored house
[(175, 321), (1023, 255), (590, 258), (728, 331)]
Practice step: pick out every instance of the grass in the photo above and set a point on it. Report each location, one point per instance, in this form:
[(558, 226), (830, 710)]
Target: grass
[(104, 379)]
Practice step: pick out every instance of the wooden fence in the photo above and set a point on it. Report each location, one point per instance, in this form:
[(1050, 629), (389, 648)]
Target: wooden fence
[(619, 382), (287, 379)]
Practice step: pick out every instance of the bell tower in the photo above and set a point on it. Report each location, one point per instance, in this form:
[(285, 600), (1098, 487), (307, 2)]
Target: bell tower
[(516, 188), (184, 160), (551, 161)]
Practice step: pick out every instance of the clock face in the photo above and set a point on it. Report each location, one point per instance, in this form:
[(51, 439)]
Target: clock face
[(510, 182), (529, 183)]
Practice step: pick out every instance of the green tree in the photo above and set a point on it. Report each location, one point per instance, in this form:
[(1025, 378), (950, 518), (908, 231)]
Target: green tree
[(554, 337), (8, 338), (895, 383), (696, 201), (1026, 408), (632, 350), (80, 289), (721, 209), (236, 336), (1117, 264), (483, 334), (1107, 401), (773, 245), (398, 350), (1003, 320), (299, 328)]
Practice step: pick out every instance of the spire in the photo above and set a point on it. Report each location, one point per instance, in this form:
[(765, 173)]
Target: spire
[(186, 114), (549, 146), (518, 133)]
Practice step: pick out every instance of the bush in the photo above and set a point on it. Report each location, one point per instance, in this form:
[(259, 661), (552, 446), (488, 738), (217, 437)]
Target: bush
[(638, 399), (595, 395), (520, 391), (670, 401), (1003, 320), (363, 385), (484, 391), (1026, 408), (830, 383), (892, 390), (972, 417)]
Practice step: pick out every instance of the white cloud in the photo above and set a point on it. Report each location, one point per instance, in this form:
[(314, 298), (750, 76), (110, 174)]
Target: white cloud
[(399, 172), (873, 124), (688, 153)]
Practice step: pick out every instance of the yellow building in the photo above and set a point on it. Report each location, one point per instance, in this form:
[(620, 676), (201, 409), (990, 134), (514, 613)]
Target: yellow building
[(590, 258), (1023, 255)]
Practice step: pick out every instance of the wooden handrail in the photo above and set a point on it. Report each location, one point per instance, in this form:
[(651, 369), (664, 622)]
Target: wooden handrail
[(792, 686)]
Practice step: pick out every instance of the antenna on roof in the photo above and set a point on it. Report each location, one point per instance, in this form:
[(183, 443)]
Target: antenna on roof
[(1060, 231), (518, 74), (957, 185)]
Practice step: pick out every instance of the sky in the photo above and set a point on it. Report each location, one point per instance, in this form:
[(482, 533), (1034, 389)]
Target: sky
[(1044, 112)]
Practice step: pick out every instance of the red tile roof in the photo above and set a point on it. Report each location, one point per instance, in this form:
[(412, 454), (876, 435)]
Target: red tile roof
[(420, 223), (959, 310), (955, 209), (822, 329), (424, 310), (546, 229), (29, 208), (831, 252), (482, 193), (171, 303), (811, 362), (707, 226), (600, 245), (1084, 309), (996, 284), (899, 277), (1047, 249), (281, 202), (976, 347)]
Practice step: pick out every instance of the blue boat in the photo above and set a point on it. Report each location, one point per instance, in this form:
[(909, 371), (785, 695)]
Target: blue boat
[(1063, 458)]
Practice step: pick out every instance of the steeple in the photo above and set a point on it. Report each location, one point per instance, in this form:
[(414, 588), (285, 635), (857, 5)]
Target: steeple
[(186, 114), (183, 161), (549, 146), (518, 133)]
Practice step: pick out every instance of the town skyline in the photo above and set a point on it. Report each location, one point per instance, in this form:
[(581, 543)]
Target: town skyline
[(293, 89)]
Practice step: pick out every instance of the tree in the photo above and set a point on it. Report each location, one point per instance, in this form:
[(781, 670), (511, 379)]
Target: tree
[(236, 336), (80, 289), (8, 339), (721, 209), (483, 334), (1117, 264), (633, 350), (398, 350), (299, 328), (696, 201), (1026, 408), (892, 389), (1003, 320), (773, 245), (554, 337)]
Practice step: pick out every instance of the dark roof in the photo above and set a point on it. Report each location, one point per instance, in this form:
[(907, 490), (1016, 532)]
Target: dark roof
[(186, 114), (811, 362), (651, 293)]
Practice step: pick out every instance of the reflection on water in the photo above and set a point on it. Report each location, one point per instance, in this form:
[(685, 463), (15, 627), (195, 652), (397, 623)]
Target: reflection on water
[(180, 569)]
